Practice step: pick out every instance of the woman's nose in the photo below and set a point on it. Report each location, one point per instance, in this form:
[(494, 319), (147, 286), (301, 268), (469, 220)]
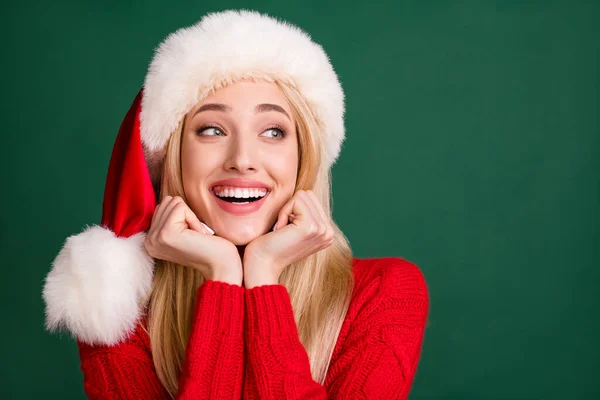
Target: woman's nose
[(242, 154)]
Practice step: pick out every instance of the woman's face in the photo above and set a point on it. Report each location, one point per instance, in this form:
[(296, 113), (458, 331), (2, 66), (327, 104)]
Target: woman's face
[(239, 158)]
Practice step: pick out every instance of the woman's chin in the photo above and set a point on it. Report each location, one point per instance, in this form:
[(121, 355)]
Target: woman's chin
[(241, 238)]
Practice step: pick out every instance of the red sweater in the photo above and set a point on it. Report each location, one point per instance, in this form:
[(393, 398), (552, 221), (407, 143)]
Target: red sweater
[(244, 344)]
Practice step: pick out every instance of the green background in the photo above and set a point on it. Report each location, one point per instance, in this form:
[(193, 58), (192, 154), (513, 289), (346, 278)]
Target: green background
[(472, 150)]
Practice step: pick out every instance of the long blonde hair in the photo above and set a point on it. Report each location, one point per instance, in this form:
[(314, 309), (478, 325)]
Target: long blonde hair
[(320, 285)]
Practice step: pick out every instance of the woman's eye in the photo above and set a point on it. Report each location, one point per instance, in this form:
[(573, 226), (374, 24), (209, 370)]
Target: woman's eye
[(275, 133), (210, 131)]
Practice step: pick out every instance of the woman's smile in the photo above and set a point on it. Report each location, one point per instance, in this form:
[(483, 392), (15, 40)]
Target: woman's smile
[(240, 197)]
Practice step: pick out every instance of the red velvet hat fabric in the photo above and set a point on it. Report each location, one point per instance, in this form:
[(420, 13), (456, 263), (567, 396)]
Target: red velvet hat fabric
[(129, 197)]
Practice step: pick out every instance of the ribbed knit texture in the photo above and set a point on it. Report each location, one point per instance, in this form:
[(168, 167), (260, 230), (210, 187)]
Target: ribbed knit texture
[(245, 344)]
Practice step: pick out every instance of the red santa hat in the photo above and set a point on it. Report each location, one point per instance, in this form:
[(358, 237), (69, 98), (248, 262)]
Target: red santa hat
[(101, 275)]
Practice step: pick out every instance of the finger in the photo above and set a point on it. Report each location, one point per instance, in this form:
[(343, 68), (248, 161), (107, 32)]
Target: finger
[(306, 212), (329, 230), (176, 216), (317, 207), (286, 214), (194, 223), (169, 208), (207, 228), (191, 219), (282, 218), (304, 215), (158, 212)]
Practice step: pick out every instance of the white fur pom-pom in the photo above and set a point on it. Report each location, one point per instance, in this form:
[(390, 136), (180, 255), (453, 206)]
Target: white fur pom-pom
[(96, 285)]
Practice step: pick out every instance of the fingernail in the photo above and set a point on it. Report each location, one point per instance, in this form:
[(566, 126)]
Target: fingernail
[(206, 226), (274, 226)]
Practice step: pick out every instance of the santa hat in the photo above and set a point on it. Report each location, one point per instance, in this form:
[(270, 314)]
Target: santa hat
[(101, 275)]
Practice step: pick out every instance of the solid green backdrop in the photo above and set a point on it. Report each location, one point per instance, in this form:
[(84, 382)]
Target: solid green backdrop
[(472, 150)]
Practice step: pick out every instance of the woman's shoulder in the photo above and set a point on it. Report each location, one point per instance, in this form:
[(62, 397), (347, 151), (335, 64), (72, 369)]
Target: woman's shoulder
[(388, 281), (389, 273)]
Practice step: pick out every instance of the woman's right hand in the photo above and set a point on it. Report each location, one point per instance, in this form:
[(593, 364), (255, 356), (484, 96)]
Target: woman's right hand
[(177, 235)]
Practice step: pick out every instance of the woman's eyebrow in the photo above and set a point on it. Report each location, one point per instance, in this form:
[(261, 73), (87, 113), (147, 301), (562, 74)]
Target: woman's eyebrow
[(212, 107), (271, 107), (265, 107)]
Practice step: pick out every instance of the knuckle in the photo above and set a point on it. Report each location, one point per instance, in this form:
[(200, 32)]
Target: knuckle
[(311, 229), (330, 231), (322, 230), (330, 236), (149, 247), (162, 238)]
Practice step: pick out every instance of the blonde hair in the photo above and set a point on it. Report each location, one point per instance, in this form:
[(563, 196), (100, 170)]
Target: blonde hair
[(320, 285)]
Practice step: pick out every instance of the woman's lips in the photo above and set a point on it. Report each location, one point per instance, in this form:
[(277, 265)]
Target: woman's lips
[(239, 209)]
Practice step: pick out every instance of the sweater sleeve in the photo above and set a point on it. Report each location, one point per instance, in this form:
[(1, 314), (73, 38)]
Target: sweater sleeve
[(377, 359), (213, 365)]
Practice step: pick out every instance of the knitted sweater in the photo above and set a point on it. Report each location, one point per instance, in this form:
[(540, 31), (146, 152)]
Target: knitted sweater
[(244, 343)]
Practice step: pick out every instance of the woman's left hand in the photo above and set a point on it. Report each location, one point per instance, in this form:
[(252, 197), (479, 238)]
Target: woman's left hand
[(311, 230)]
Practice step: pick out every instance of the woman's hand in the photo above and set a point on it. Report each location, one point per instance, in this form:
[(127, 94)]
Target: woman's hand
[(177, 235), (311, 230)]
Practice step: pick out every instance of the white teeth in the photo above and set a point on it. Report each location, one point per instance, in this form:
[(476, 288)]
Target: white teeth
[(240, 192)]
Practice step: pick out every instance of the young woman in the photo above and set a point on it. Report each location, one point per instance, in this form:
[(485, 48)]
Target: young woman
[(237, 284)]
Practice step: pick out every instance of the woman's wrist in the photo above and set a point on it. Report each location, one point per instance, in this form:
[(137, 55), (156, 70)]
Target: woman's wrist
[(252, 280), (229, 280), (231, 277)]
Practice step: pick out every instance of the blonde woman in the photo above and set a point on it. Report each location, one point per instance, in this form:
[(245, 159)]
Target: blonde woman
[(217, 271)]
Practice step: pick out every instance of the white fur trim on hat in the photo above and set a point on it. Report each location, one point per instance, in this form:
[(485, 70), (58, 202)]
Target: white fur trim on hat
[(228, 46), (96, 285)]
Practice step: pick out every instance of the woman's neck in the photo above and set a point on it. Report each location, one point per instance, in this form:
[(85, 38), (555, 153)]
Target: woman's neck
[(241, 251)]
